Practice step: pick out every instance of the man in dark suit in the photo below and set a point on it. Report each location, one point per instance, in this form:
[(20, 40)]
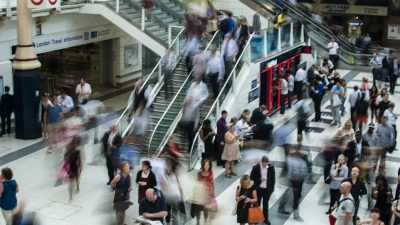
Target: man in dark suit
[(6, 108), (258, 114), (263, 175), (354, 149), (111, 142)]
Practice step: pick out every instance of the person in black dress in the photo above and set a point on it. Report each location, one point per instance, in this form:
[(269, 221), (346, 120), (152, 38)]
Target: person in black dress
[(146, 179), (122, 186), (206, 135), (246, 195), (73, 154)]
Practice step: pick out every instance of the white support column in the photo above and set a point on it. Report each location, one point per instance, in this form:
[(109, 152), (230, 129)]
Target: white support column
[(302, 33), (143, 18), (177, 45), (291, 40), (159, 73), (279, 43), (117, 7)]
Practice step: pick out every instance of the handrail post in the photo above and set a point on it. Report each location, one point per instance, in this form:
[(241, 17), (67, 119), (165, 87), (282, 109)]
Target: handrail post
[(143, 18), (279, 44), (234, 82), (177, 46), (291, 34), (302, 33), (159, 73), (117, 7), (309, 42), (8, 8), (217, 109), (265, 50), (169, 35)]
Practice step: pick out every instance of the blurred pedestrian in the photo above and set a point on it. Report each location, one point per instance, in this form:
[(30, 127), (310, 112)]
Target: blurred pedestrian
[(376, 64), (6, 109), (122, 186), (263, 176), (191, 46), (355, 149), (229, 51), (361, 106), (227, 25), (242, 35), (290, 87), (111, 142), (196, 95), (8, 192), (353, 97), (257, 21), (74, 157), (207, 136), (283, 87), (45, 103), (386, 140), (168, 64), (145, 179), (55, 116), (303, 111), (318, 91), (373, 95), (215, 71), (299, 81), (231, 150), (83, 91), (337, 93), (205, 177)]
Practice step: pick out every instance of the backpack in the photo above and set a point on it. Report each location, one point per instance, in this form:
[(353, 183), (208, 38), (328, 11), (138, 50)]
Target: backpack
[(223, 25)]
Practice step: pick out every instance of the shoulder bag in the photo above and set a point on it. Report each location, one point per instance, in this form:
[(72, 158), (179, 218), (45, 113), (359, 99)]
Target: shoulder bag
[(255, 215)]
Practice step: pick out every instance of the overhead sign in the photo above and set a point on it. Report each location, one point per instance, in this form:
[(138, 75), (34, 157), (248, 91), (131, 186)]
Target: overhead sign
[(393, 32), (350, 9), (53, 42)]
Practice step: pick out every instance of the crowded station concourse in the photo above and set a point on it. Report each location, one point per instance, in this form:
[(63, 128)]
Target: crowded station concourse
[(168, 112)]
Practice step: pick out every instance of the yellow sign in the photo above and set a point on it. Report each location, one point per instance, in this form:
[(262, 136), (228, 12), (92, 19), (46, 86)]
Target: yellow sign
[(351, 9)]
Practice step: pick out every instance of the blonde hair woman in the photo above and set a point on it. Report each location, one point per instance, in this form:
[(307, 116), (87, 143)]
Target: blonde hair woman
[(246, 195)]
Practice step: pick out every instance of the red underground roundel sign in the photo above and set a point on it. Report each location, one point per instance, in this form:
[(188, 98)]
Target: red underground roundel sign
[(37, 2), (52, 2)]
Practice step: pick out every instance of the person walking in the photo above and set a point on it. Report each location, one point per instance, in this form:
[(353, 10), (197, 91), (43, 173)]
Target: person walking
[(83, 91), (231, 150), (353, 97), (339, 172), (362, 105), (355, 149), (111, 142), (246, 195), (74, 157), (290, 87), (220, 136), (383, 104), (145, 179), (263, 176), (257, 21), (358, 190), (122, 186), (8, 192), (55, 115), (333, 48), (206, 189), (318, 91), (376, 64), (215, 72), (386, 140), (6, 109), (337, 92), (303, 111), (373, 95), (168, 64), (391, 114), (229, 51), (394, 72), (66, 102), (299, 80)]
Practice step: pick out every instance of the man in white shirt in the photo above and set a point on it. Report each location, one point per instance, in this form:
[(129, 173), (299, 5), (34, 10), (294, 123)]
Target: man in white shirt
[(376, 64), (229, 50), (83, 91), (215, 71), (168, 64), (66, 102), (290, 88), (299, 80), (283, 87), (333, 48)]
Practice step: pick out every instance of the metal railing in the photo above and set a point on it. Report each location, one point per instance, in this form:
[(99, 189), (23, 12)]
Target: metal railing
[(156, 73), (173, 101)]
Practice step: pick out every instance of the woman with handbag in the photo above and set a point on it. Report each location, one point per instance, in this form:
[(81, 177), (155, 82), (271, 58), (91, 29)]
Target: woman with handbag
[(231, 150), (246, 196), (122, 185), (205, 177)]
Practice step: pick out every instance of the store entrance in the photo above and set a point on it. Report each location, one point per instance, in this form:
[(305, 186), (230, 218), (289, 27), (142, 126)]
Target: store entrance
[(62, 70)]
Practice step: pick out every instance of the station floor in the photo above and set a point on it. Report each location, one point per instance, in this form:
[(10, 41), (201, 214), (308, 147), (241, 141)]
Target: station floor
[(35, 172)]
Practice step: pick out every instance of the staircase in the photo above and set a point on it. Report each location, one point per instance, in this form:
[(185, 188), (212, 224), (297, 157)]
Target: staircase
[(127, 15)]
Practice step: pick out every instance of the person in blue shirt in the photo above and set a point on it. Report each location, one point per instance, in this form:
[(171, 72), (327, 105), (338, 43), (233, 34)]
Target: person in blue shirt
[(337, 93), (228, 25), (54, 114), (318, 92), (8, 191)]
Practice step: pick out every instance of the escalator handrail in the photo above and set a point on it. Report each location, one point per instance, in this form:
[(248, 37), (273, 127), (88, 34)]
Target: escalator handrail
[(175, 97), (151, 75), (220, 93)]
